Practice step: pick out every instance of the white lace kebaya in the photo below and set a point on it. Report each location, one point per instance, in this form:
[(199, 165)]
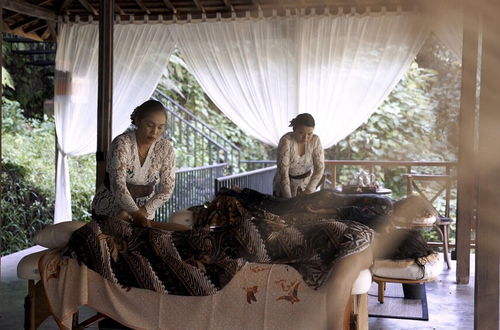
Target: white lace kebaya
[(291, 164), (124, 167)]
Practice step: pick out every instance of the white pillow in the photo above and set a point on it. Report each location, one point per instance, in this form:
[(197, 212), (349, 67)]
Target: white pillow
[(182, 217), (56, 236)]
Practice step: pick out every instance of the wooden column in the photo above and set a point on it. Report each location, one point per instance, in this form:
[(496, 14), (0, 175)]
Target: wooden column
[(105, 87), (1, 123), (466, 187), (486, 290)]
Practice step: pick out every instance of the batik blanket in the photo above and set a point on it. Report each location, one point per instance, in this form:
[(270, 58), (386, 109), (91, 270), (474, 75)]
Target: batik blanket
[(203, 260)]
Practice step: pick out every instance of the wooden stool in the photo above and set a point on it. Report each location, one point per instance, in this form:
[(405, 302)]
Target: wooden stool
[(381, 281)]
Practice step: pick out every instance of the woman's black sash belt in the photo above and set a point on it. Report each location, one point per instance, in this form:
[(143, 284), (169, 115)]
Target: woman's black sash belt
[(137, 191), (301, 176)]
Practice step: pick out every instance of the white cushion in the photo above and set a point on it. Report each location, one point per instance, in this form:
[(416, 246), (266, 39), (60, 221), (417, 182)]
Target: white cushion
[(362, 283), (408, 269), (56, 236), (27, 268), (182, 217), (416, 221)]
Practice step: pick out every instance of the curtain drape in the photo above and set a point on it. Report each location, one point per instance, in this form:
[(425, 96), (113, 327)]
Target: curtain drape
[(447, 17), (141, 53), (263, 72)]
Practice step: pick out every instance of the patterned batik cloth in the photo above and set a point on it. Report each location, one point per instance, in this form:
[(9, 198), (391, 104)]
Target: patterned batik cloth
[(203, 260)]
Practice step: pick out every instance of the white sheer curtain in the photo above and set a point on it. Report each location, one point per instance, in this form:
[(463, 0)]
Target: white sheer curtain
[(446, 17), (261, 73), (141, 53)]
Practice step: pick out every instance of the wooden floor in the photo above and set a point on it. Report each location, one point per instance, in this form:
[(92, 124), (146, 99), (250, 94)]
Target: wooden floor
[(450, 305)]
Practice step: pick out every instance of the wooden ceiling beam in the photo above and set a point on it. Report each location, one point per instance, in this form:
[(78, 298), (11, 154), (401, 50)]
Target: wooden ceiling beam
[(65, 5), (228, 5), (170, 6), (119, 10), (199, 6), (52, 30), (36, 27), (141, 4), (89, 7), (28, 9), (33, 36), (256, 4), (23, 23)]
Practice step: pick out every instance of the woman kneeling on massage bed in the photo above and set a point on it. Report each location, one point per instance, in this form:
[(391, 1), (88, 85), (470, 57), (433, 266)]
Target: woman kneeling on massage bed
[(140, 159)]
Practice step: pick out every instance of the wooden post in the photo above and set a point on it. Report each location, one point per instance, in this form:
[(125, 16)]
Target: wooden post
[(105, 87), (486, 289), (1, 123), (466, 187)]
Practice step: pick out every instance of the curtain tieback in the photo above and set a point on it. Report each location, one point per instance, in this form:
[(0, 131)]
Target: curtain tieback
[(301, 176)]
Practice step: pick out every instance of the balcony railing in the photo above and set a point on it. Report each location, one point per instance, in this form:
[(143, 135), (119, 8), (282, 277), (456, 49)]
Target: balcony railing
[(197, 185), (203, 144), (193, 186), (260, 180)]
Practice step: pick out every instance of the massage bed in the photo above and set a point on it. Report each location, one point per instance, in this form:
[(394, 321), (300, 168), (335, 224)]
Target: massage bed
[(260, 296)]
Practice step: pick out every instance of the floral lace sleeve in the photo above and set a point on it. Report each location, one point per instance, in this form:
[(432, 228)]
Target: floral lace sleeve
[(167, 182), (283, 161), (318, 157), (117, 169)]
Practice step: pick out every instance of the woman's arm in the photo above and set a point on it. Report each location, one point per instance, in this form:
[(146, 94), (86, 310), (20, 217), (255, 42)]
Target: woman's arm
[(283, 162), (117, 170), (321, 211), (318, 157), (167, 181)]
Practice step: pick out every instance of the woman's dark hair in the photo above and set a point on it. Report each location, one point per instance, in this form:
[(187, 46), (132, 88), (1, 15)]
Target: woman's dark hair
[(145, 109), (410, 244), (304, 119)]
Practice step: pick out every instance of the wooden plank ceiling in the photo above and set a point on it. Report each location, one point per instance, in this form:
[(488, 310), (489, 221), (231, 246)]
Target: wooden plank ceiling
[(37, 19)]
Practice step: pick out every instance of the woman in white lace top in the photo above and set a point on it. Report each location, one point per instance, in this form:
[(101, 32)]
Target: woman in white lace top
[(140, 159), (300, 159)]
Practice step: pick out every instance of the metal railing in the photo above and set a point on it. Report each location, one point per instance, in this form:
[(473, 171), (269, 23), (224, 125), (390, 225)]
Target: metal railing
[(260, 180), (203, 144), (392, 175), (193, 186), (251, 165)]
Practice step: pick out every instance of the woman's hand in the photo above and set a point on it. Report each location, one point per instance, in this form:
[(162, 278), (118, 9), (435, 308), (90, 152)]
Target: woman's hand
[(310, 209), (139, 218)]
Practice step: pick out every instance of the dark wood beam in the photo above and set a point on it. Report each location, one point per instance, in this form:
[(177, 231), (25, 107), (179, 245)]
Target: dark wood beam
[(228, 5), (51, 26), (199, 6), (467, 155), (89, 7), (33, 36), (170, 6), (36, 27), (65, 5), (104, 87), (23, 23), (486, 288), (119, 10), (140, 3), (256, 4), (28, 9)]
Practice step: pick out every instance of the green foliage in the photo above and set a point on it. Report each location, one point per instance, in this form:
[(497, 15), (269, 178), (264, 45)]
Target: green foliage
[(25, 209), (82, 172), (28, 154), (7, 80), (33, 84)]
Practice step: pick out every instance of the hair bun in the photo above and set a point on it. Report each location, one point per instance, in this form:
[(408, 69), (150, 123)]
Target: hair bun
[(303, 119)]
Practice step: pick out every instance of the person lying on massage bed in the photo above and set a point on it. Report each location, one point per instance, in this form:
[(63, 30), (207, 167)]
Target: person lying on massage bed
[(140, 159)]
